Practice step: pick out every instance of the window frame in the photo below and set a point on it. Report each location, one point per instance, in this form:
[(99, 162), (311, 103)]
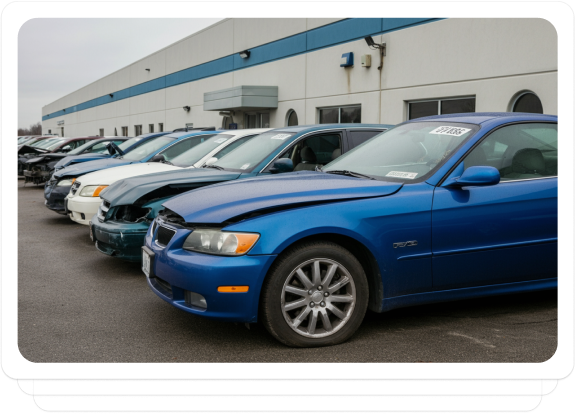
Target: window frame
[(520, 95), (439, 101), (339, 107), (479, 142)]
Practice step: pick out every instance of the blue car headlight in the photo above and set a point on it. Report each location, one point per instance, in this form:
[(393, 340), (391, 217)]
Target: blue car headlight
[(220, 242)]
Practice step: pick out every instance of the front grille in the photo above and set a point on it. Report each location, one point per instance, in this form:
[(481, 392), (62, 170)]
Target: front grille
[(164, 236), (75, 187), (103, 209)]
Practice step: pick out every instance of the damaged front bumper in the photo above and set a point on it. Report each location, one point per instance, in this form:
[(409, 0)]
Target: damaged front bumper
[(54, 196), (123, 240), (36, 176)]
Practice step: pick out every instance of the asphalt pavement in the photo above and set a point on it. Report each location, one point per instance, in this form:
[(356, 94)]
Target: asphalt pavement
[(76, 304)]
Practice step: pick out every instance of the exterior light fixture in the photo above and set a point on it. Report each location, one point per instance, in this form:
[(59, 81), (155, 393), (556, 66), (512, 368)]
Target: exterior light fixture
[(373, 45), (148, 70), (186, 108), (64, 110), (111, 95), (245, 54)]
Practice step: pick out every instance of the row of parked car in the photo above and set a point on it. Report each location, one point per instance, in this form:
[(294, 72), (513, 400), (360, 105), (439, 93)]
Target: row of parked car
[(307, 227)]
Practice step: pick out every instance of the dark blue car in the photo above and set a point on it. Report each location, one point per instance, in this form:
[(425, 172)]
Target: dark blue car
[(436, 209)]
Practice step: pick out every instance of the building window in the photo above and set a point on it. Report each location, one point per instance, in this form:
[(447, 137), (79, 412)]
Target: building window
[(137, 130), (257, 120), (124, 131), (340, 115), (101, 132), (291, 118), (419, 109), (528, 102), (160, 127), (49, 131), (150, 127)]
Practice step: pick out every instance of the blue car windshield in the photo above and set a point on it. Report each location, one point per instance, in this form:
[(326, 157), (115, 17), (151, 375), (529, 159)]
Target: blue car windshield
[(150, 147), (405, 153), (257, 149), (195, 154), (128, 143)]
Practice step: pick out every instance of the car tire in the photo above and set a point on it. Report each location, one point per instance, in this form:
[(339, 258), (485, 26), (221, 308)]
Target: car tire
[(291, 295)]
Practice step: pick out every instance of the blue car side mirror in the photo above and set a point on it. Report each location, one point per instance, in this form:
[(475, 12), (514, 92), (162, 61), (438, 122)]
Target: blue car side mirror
[(476, 176), (282, 165)]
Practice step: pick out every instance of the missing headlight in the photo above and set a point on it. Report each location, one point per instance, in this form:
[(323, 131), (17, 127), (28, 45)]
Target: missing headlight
[(131, 214)]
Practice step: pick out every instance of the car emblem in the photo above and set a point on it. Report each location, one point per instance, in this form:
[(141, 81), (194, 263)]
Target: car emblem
[(406, 244)]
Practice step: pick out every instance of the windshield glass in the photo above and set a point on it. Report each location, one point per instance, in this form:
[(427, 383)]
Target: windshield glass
[(194, 154), (249, 155), (148, 148), (52, 146), (81, 148), (405, 153), (128, 143), (45, 143)]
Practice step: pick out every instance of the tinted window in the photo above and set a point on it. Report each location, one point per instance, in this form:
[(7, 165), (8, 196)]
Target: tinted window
[(350, 115), (148, 148), (358, 137), (457, 106), (421, 109), (182, 146), (520, 151), (329, 116), (317, 150)]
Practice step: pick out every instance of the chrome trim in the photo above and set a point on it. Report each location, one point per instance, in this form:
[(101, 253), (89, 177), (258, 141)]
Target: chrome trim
[(527, 179), (313, 132), (156, 237)]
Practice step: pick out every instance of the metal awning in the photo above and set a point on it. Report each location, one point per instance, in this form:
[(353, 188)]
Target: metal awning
[(241, 97)]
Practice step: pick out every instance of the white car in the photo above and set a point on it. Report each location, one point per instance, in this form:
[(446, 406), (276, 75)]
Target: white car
[(83, 200)]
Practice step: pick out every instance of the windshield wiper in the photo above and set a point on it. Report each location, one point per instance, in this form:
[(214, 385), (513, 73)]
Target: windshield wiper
[(214, 166), (349, 174), (166, 162)]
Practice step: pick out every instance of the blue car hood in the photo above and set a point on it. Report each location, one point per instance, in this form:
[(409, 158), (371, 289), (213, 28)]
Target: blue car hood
[(222, 202), (72, 159), (142, 187), (77, 170)]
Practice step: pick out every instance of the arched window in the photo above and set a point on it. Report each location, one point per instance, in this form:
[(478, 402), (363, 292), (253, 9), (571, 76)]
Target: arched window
[(291, 118), (528, 102)]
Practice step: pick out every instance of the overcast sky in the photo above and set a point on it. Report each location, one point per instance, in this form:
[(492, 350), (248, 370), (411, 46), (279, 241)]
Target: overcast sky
[(59, 56)]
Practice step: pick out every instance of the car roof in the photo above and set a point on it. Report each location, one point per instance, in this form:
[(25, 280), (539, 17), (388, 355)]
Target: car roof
[(316, 127), (186, 134), (481, 117)]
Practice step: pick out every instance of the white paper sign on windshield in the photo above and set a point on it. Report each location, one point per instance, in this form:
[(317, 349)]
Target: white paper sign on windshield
[(402, 174), (245, 166), (280, 136), (450, 130), (220, 141)]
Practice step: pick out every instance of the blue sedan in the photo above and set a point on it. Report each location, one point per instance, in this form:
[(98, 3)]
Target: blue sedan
[(436, 209)]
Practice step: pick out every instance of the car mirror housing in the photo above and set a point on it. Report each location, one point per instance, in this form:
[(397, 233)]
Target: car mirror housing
[(476, 176), (211, 161), (282, 165), (157, 158), (67, 148)]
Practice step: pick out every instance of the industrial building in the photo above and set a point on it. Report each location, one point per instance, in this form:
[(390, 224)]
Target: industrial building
[(247, 73)]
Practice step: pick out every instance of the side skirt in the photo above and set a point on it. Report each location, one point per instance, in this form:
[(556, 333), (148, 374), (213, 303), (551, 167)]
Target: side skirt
[(467, 293)]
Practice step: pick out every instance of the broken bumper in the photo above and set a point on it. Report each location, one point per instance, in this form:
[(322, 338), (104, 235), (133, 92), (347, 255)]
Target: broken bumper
[(36, 177), (54, 197), (122, 240)]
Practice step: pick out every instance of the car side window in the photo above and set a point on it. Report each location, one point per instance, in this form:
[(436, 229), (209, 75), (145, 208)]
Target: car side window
[(316, 151), (182, 146), (519, 151)]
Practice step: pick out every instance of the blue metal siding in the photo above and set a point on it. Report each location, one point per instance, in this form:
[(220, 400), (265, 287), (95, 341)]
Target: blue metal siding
[(326, 36)]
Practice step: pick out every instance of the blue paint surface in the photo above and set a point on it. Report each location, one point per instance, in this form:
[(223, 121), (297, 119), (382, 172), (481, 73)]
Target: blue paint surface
[(472, 241)]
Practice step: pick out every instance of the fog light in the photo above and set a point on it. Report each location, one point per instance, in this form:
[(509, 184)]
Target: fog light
[(83, 216), (195, 299)]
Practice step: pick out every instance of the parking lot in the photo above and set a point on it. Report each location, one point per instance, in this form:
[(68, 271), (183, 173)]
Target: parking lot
[(78, 305)]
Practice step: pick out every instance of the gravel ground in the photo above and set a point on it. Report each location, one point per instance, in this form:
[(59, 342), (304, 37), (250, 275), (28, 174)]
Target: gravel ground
[(78, 305)]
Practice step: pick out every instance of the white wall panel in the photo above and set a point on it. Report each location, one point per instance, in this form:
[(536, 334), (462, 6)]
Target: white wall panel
[(325, 77), (148, 102), (368, 101), (192, 93), (288, 74), (463, 49), (254, 32), (204, 46), (156, 63)]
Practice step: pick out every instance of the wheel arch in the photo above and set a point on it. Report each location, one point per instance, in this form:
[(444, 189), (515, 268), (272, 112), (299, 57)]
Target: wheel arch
[(364, 255)]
